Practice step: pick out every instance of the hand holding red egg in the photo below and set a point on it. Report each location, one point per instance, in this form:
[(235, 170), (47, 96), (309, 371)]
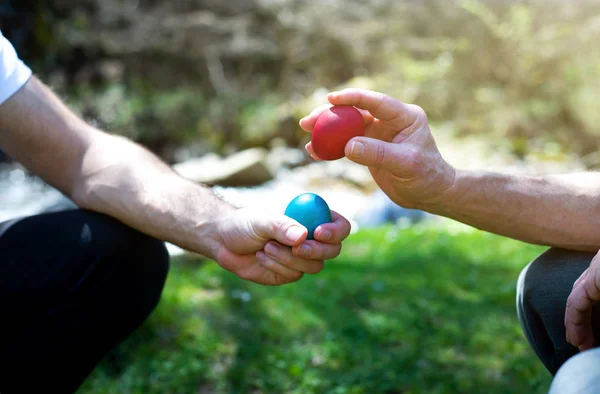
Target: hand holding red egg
[(391, 138)]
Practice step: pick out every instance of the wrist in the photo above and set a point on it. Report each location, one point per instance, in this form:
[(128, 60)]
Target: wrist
[(448, 186), (186, 214), (209, 238)]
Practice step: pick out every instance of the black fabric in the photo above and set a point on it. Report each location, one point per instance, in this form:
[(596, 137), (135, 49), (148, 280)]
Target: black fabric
[(542, 292), (73, 285)]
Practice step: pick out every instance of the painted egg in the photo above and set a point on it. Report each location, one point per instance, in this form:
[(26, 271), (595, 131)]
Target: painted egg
[(334, 128), (310, 210)]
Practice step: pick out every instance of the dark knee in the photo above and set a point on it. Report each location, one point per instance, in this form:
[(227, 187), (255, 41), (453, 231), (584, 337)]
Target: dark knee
[(148, 265), (542, 292), (547, 281), (140, 262)]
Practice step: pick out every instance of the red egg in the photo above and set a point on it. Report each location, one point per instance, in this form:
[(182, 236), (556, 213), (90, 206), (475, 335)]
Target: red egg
[(334, 128)]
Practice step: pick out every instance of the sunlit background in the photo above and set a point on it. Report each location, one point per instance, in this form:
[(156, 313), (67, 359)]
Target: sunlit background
[(216, 88)]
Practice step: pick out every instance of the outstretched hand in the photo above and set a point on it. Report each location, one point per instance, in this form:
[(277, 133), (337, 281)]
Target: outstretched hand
[(272, 249), (398, 147)]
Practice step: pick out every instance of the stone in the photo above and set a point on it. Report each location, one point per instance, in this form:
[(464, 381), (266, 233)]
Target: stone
[(283, 157), (242, 169)]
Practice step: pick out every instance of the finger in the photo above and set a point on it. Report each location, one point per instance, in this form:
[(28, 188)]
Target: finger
[(585, 332), (373, 152), (589, 281), (311, 151), (592, 280), (380, 105), (317, 250), (272, 265), (308, 122), (281, 228), (335, 232), (589, 341), (577, 315), (283, 255), (581, 278)]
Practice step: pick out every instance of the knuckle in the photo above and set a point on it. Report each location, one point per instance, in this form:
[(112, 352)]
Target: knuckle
[(317, 267), (275, 226), (568, 306), (570, 300), (262, 229), (280, 280), (596, 284), (346, 228), (413, 159), (338, 250), (296, 276), (381, 99), (420, 113), (285, 258), (380, 154)]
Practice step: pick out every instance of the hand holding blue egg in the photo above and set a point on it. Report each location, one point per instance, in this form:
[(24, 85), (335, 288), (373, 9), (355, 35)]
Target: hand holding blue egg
[(310, 210)]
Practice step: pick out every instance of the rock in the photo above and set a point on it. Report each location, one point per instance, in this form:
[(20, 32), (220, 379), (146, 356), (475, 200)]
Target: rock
[(380, 210), (245, 168), (283, 157)]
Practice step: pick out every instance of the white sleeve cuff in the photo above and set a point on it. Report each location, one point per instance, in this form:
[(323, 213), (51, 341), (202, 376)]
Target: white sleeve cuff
[(13, 72)]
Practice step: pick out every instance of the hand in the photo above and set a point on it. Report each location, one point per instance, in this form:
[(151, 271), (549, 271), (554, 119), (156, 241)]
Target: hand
[(272, 249), (397, 147), (578, 315)]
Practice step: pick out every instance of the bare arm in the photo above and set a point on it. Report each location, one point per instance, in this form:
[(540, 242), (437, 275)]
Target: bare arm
[(117, 177), (553, 210), (106, 173)]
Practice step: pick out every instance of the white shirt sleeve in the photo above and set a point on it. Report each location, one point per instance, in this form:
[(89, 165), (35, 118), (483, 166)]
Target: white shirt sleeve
[(13, 72)]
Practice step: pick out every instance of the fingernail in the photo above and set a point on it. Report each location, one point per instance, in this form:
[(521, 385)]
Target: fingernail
[(261, 256), (294, 233), (304, 250), (357, 149), (271, 249), (325, 235)]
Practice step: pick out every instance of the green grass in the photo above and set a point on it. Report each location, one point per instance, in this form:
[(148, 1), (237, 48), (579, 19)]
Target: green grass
[(413, 310)]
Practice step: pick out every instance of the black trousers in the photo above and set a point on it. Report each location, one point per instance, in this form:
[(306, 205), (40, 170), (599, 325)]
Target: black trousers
[(542, 291), (73, 285)]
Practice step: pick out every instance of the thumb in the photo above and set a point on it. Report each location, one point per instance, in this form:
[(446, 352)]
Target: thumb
[(281, 228), (372, 152)]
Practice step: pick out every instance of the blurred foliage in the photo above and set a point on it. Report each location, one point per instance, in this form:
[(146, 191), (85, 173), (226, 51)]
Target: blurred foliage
[(223, 76), (414, 310)]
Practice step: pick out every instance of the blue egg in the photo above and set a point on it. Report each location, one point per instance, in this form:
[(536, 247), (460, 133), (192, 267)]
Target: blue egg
[(310, 210)]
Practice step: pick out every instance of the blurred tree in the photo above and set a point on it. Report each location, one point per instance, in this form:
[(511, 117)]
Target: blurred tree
[(227, 75)]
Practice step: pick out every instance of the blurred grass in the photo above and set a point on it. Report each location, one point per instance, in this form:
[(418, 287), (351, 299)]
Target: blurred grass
[(413, 310)]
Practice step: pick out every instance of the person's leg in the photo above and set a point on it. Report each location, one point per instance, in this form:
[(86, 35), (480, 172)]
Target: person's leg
[(542, 292), (579, 375), (73, 285)]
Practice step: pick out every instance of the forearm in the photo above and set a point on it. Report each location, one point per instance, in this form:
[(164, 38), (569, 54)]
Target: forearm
[(105, 173), (40, 132), (124, 180), (556, 210)]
